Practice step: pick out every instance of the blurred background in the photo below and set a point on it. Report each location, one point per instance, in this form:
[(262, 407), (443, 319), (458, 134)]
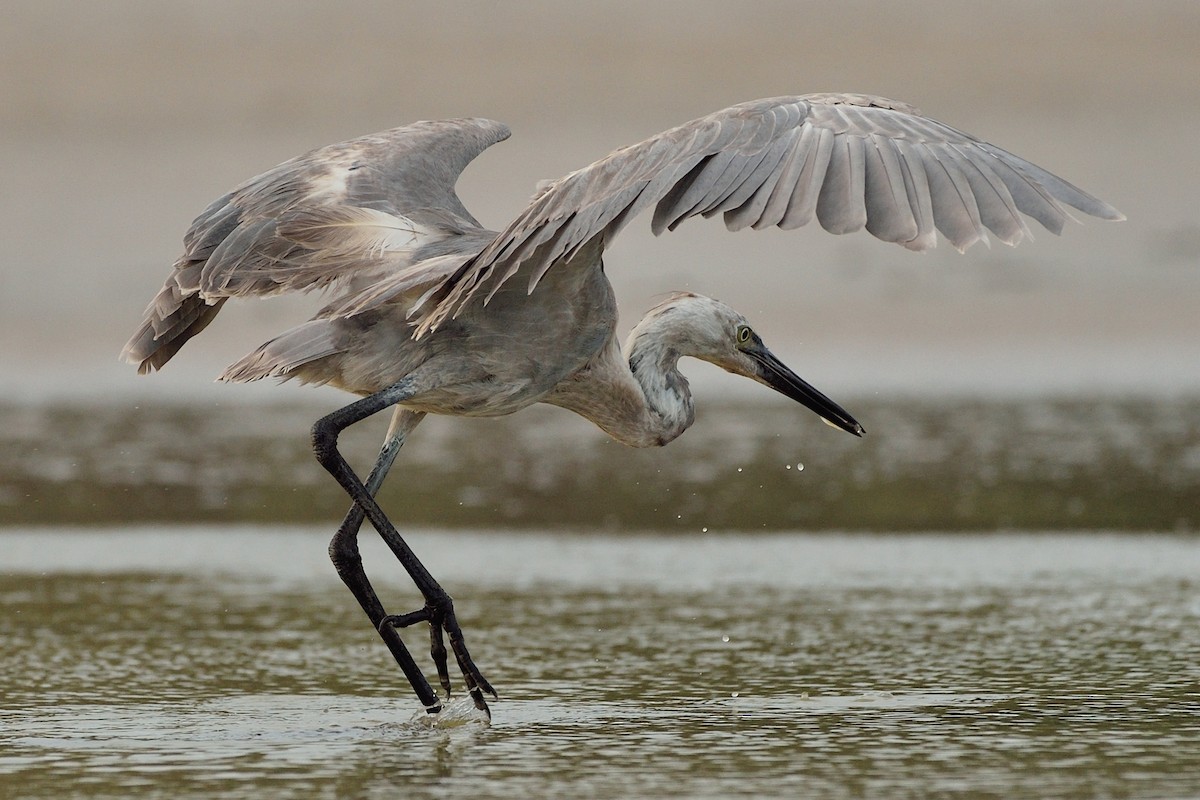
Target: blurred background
[(120, 121), (1049, 389)]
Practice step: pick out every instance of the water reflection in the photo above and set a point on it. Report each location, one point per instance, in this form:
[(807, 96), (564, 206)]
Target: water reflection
[(1023, 666)]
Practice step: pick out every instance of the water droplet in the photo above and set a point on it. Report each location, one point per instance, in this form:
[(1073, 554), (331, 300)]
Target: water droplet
[(733, 694), (704, 529), (725, 639), (787, 466), (799, 467), (739, 469)]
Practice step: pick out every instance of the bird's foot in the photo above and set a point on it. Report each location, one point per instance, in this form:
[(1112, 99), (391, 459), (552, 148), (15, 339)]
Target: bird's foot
[(439, 613)]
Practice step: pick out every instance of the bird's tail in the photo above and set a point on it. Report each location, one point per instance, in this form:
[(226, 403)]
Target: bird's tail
[(283, 355)]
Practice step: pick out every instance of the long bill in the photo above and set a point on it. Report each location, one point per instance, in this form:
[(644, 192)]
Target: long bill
[(774, 373)]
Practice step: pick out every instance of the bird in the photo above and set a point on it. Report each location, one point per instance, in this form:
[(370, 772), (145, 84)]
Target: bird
[(429, 312)]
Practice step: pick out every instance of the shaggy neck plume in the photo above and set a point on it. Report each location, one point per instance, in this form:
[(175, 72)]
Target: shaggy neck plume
[(639, 397), (654, 362)]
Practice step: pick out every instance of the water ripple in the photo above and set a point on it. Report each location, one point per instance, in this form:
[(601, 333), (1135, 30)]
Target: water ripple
[(1068, 678)]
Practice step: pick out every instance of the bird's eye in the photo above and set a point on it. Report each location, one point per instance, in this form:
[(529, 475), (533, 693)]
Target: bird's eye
[(743, 334)]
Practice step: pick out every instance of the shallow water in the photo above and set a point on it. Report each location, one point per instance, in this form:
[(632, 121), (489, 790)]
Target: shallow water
[(202, 661)]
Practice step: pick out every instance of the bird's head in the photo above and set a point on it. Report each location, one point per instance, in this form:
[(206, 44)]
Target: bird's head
[(707, 329)]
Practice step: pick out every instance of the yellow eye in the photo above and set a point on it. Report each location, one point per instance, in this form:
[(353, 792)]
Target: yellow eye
[(743, 334)]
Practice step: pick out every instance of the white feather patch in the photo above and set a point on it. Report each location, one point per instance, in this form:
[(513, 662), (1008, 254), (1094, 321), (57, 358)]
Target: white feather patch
[(350, 229)]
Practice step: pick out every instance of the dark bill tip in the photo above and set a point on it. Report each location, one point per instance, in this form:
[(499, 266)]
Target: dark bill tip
[(775, 374)]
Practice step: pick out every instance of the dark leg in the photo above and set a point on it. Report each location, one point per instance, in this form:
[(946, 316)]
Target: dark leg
[(343, 551), (439, 608)]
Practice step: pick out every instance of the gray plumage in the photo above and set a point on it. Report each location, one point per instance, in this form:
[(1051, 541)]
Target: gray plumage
[(349, 213), (431, 313), (378, 215)]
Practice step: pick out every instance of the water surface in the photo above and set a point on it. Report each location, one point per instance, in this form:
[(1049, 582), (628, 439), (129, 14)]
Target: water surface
[(201, 661)]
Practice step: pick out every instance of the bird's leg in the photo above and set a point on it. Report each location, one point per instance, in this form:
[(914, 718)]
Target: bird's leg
[(343, 551), (439, 608), (403, 422)]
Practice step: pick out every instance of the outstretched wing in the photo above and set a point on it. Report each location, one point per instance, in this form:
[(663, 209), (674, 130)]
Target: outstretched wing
[(353, 210), (851, 161)]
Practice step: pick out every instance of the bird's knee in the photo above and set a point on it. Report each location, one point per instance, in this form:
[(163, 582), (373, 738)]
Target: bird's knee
[(343, 552), (324, 441)]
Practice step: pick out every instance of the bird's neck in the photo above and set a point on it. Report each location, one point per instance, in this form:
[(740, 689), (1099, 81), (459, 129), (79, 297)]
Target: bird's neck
[(637, 397), (653, 361)]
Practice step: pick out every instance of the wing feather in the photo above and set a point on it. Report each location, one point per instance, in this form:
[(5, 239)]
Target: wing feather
[(346, 212), (850, 161), (709, 178), (955, 211), (756, 174), (802, 205), (890, 215), (754, 210), (997, 210), (916, 186), (841, 206)]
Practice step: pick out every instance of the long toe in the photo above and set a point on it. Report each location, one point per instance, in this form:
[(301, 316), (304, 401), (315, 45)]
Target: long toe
[(437, 650)]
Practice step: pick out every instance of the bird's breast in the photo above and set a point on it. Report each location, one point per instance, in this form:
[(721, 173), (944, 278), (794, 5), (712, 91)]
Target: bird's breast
[(520, 346)]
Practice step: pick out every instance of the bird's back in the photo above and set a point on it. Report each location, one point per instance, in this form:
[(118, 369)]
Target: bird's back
[(492, 359)]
